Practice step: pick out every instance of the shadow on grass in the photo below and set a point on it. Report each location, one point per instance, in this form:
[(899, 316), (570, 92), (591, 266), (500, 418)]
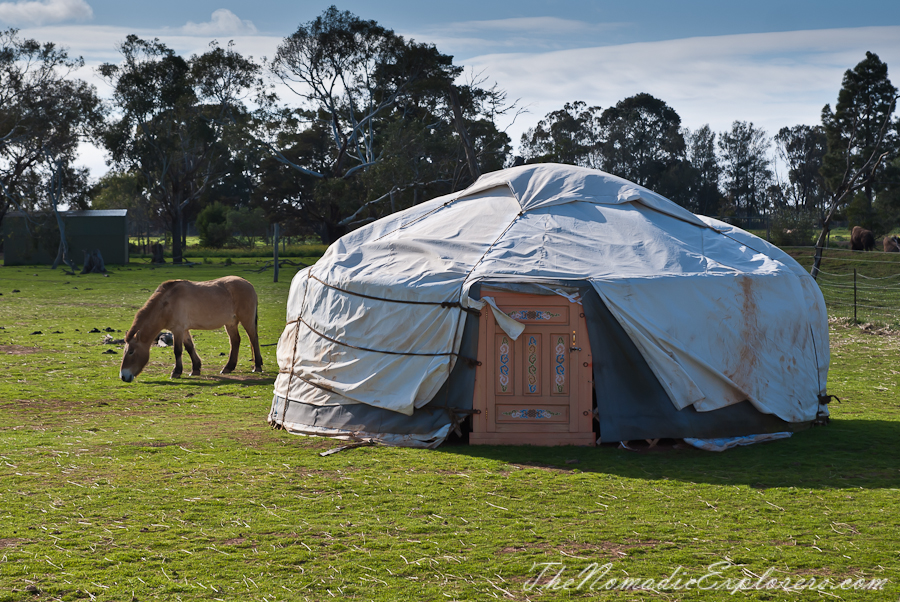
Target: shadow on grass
[(844, 454), (212, 381)]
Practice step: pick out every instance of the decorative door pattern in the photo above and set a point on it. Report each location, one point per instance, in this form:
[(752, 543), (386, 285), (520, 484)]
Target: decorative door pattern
[(536, 389)]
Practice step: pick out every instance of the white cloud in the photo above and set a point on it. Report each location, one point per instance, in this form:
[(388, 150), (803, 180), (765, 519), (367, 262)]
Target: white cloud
[(223, 22), (771, 79), (541, 25), (41, 12), (531, 33)]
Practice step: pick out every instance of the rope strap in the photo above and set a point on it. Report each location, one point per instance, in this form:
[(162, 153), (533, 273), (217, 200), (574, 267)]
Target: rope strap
[(444, 304), (472, 363), (825, 399)]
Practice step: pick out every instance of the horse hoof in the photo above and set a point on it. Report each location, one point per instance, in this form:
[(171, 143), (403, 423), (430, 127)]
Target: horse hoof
[(257, 369), (225, 371), (195, 373), (175, 375)]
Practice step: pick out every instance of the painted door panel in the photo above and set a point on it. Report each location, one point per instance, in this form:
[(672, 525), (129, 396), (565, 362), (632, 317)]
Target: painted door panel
[(536, 389)]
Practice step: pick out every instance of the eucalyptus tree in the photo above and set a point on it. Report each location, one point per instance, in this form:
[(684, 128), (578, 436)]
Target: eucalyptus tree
[(862, 138), (45, 113), (379, 119), (802, 149), (701, 154), (641, 140), (175, 119), (746, 167), (855, 131), (569, 135)]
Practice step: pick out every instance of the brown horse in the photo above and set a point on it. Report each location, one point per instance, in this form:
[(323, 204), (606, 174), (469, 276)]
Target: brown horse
[(182, 305), (891, 244), (861, 239)]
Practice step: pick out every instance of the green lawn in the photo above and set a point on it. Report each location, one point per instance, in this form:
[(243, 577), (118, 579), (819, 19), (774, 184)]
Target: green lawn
[(179, 490)]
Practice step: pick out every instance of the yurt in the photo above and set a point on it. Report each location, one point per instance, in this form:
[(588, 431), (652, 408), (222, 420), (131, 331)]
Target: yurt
[(551, 305)]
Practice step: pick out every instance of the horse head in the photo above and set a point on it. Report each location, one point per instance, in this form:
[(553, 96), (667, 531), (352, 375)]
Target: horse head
[(136, 355)]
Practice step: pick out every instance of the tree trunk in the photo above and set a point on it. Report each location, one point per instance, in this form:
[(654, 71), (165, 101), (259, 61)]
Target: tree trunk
[(176, 236), (329, 232), (471, 158), (63, 253)]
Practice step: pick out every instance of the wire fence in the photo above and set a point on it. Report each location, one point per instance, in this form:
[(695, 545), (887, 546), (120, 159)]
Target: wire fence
[(864, 290)]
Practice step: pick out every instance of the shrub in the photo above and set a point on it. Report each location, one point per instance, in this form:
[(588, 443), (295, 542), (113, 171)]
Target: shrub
[(793, 228), (212, 224)]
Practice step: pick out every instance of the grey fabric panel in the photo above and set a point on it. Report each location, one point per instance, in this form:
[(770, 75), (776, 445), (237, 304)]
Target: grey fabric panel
[(633, 405), (456, 392), (363, 418)]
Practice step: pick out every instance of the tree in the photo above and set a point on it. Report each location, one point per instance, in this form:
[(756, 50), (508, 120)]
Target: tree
[(860, 142), (351, 72), (247, 223), (381, 124), (854, 130), (212, 224), (641, 140), (570, 135), (802, 149), (701, 154), (175, 120), (44, 114), (746, 168), (126, 190)]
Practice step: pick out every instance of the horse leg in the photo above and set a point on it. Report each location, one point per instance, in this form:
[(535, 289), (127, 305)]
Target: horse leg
[(253, 333), (235, 338), (178, 335), (195, 359)]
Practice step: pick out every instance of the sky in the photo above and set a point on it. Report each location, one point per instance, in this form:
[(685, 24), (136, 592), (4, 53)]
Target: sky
[(775, 63)]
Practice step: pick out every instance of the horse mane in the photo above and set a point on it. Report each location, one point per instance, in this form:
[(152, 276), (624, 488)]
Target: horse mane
[(151, 305)]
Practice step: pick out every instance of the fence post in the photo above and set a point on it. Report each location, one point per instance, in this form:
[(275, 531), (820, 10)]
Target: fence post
[(854, 295)]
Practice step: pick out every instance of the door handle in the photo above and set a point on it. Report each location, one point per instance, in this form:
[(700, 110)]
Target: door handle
[(574, 348)]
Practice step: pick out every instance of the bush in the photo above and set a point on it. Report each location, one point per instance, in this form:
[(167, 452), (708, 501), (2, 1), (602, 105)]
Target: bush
[(248, 223), (212, 224), (793, 228)]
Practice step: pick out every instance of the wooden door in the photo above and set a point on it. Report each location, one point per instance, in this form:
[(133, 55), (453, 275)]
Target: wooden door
[(537, 389)]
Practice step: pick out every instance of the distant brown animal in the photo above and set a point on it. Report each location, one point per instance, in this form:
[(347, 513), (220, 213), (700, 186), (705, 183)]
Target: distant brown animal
[(891, 244), (181, 306), (861, 239)]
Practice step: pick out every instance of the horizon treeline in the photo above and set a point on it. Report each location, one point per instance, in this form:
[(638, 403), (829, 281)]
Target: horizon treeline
[(370, 123)]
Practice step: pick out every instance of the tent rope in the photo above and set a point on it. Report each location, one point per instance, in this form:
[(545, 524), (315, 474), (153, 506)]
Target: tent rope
[(469, 361), (444, 304), (287, 393)]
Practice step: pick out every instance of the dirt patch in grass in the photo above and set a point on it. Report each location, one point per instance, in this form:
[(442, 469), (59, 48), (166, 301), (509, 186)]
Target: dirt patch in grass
[(579, 549), (19, 350), (234, 542), (54, 404), (152, 443), (255, 437), (11, 542)]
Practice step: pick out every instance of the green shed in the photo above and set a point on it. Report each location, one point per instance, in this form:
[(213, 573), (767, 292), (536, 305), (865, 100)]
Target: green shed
[(37, 241)]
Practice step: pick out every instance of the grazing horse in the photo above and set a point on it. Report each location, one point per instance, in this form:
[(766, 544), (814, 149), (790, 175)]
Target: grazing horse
[(861, 239), (182, 305)]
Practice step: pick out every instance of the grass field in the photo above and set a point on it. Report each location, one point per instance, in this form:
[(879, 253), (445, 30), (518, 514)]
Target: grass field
[(178, 489)]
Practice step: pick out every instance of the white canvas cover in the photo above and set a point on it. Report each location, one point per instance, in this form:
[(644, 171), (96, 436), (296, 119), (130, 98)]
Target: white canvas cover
[(719, 314)]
